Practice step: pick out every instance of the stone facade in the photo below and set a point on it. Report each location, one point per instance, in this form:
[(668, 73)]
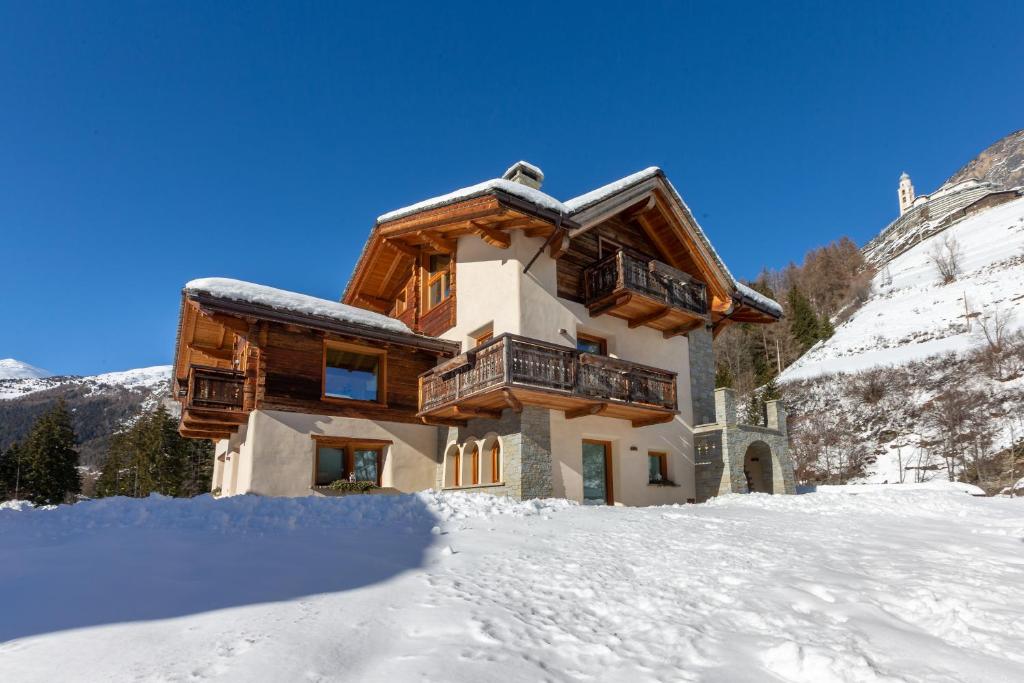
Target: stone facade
[(702, 376), (722, 450), (525, 451)]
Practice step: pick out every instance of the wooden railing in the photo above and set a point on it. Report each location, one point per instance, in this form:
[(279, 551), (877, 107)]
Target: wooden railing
[(514, 361), (215, 388), (626, 270)]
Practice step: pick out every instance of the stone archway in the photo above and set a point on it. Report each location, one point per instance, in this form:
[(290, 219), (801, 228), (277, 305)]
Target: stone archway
[(758, 468)]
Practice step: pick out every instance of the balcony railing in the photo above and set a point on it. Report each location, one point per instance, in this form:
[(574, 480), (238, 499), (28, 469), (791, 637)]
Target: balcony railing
[(627, 271), (514, 361), (215, 389)]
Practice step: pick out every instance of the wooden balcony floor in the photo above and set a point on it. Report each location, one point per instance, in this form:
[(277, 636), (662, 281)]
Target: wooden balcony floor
[(641, 310), (495, 399)]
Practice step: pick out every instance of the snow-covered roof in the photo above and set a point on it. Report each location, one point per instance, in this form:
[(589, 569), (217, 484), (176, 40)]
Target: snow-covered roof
[(759, 300), (283, 300), (577, 204), (535, 197)]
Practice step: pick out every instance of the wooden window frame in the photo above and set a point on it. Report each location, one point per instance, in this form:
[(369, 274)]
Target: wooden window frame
[(601, 342), (496, 477), (382, 373), (609, 490), (662, 464), (348, 446), (429, 279), (483, 337), (611, 248), (401, 304), (456, 457)]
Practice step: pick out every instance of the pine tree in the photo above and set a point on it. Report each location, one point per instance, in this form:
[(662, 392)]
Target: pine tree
[(826, 328), (804, 324), (11, 473), (723, 376), (50, 458)]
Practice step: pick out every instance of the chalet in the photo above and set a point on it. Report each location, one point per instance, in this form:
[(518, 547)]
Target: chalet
[(491, 339)]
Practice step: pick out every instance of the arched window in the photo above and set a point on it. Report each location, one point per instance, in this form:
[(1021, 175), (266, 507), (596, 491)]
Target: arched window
[(474, 463), (453, 467), (496, 462)]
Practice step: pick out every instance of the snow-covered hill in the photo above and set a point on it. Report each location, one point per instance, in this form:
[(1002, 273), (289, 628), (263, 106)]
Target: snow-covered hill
[(912, 315), (99, 404), (15, 369)]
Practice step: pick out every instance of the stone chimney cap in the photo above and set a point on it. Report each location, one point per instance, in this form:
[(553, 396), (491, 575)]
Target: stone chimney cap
[(525, 173)]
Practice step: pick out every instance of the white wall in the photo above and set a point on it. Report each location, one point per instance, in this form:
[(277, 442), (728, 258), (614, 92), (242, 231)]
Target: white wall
[(278, 451)]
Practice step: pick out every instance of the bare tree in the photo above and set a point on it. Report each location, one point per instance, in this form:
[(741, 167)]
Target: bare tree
[(1000, 353), (945, 256)]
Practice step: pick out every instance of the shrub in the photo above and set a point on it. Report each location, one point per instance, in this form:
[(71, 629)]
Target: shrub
[(351, 486)]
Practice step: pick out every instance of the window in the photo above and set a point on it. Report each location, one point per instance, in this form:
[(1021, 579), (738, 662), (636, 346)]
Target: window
[(355, 373), (475, 464), (590, 344), (657, 467), (344, 459), (484, 337), (495, 462), (438, 279), (399, 307), (606, 247)]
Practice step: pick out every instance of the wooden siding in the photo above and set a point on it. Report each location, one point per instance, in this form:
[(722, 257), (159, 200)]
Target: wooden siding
[(293, 371), (583, 251)]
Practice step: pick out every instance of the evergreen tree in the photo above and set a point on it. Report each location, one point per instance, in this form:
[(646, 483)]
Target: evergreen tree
[(804, 324), (826, 328), (11, 473), (723, 376), (50, 459), (151, 457)]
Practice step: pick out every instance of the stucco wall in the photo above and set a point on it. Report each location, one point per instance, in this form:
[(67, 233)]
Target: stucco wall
[(278, 450), (629, 467)]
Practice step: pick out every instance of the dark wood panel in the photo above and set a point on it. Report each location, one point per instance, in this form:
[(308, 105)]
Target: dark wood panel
[(583, 251)]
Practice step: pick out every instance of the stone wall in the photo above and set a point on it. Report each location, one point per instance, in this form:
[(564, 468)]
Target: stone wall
[(702, 376), (721, 448), (525, 451)]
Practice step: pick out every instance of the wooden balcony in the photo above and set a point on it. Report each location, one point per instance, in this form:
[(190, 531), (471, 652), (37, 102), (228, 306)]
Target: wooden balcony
[(511, 371), (213, 405), (644, 291)]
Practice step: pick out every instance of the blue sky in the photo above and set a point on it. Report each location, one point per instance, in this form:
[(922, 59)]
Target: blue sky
[(145, 144)]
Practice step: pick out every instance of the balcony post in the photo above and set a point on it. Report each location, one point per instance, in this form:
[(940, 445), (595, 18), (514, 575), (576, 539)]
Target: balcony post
[(620, 269)]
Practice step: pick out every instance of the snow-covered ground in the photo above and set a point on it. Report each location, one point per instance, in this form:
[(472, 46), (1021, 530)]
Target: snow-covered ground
[(884, 586), (911, 316), (150, 379)]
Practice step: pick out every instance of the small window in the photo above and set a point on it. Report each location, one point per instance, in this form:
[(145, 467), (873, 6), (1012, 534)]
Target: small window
[(438, 279), (399, 307), (484, 337), (357, 462), (353, 373), (657, 467), (590, 344)]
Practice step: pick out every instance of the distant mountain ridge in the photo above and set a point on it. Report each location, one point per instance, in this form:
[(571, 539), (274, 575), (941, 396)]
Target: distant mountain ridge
[(11, 368), (100, 404)]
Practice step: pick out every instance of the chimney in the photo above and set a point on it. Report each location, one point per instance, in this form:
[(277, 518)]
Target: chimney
[(525, 173)]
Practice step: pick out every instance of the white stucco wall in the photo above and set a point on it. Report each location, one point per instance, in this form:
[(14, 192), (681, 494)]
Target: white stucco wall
[(278, 451), (492, 289)]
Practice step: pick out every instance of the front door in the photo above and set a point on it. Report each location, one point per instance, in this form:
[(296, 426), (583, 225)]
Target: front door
[(597, 480)]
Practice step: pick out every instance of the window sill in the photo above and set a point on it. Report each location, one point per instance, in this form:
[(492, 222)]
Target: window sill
[(470, 487), (664, 485)]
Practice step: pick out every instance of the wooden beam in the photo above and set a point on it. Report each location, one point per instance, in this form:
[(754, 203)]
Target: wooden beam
[(560, 244), (197, 434), (682, 329), (212, 351), (539, 231), (640, 207), (234, 324), (444, 421), (374, 302), (651, 319), (469, 413), (495, 238), (439, 243), (609, 306), (403, 248), (661, 419), (594, 409), (511, 401)]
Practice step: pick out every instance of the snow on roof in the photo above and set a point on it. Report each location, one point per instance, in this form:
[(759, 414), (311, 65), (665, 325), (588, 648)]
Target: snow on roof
[(535, 197), (577, 204), (535, 170), (759, 299), (283, 300)]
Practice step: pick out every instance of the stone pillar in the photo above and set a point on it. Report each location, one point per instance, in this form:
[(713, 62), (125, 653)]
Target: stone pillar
[(725, 407), (702, 375), (776, 412)]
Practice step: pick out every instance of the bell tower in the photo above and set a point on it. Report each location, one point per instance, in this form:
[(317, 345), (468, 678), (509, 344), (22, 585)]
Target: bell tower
[(906, 193)]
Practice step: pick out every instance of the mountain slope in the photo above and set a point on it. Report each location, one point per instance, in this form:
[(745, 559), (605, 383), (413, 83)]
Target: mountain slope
[(1002, 163), (911, 315), (99, 404), (15, 369)]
